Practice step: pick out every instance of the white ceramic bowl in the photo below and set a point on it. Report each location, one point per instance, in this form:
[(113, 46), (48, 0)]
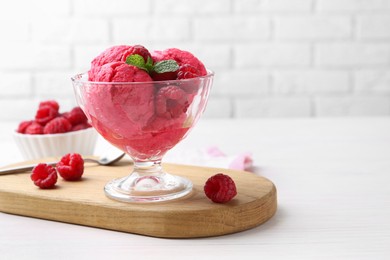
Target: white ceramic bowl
[(56, 145)]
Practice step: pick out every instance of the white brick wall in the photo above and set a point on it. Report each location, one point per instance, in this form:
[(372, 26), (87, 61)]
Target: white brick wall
[(272, 55), (370, 27), (272, 58), (311, 82), (352, 54), (314, 27)]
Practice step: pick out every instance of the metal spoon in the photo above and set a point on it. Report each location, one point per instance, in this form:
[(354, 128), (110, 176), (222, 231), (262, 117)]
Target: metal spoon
[(104, 160)]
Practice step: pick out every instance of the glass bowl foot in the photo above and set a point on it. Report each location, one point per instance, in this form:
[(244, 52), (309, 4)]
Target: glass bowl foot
[(150, 188)]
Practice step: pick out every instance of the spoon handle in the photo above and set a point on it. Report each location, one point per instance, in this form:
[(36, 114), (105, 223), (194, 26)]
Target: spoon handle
[(21, 169)]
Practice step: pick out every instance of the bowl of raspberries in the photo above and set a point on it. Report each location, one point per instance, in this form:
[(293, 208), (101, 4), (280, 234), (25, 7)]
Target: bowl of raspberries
[(53, 133)]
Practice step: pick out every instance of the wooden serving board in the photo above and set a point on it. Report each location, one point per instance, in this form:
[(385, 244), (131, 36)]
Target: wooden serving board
[(84, 203)]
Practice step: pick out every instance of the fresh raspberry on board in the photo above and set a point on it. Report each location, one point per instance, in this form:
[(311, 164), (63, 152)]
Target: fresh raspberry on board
[(220, 188), (71, 167), (187, 71), (45, 114), (51, 103), (76, 116), (57, 125), (44, 176), (171, 102), (34, 129)]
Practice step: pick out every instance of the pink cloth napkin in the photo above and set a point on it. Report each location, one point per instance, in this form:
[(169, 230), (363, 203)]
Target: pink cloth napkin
[(213, 157), (241, 161)]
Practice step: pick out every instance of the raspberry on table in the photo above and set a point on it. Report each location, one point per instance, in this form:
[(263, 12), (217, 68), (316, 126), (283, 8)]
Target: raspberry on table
[(57, 125), (44, 176), (51, 103), (171, 102), (71, 167), (220, 188), (76, 116), (34, 129), (45, 114)]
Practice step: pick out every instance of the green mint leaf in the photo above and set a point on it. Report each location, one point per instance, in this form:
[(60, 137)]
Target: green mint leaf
[(149, 64), (137, 61), (166, 66)]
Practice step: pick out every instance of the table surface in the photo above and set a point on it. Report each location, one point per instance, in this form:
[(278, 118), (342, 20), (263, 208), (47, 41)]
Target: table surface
[(332, 177)]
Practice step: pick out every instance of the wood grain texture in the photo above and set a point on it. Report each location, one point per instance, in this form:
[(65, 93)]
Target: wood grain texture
[(84, 202)]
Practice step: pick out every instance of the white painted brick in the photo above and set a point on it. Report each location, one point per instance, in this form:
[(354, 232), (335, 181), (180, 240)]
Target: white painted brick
[(241, 82), (15, 84), (271, 54), (250, 6), (192, 7), (111, 7), (51, 57), (352, 5), (67, 103), (373, 26), (218, 107), (53, 85), (273, 107), (15, 30), (22, 109), (352, 54), (22, 9), (313, 27), (151, 29), (310, 82), (70, 30), (214, 56), (372, 81), (84, 54), (232, 28), (353, 106), (47, 7), (29, 56), (16, 56)]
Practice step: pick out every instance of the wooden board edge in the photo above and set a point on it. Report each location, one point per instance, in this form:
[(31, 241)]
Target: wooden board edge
[(165, 226)]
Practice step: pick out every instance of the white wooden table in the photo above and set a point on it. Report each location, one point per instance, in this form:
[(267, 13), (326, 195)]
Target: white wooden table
[(333, 181)]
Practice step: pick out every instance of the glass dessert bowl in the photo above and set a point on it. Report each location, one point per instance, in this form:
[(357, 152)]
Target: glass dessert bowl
[(145, 120)]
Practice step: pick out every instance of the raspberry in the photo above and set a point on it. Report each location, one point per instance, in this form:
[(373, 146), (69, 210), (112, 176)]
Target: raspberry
[(187, 71), (164, 76), (131, 50), (45, 114), (171, 102), (220, 188), (80, 126), (34, 129), (23, 126), (140, 50), (76, 116), (44, 176), (51, 103), (71, 167), (57, 125)]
